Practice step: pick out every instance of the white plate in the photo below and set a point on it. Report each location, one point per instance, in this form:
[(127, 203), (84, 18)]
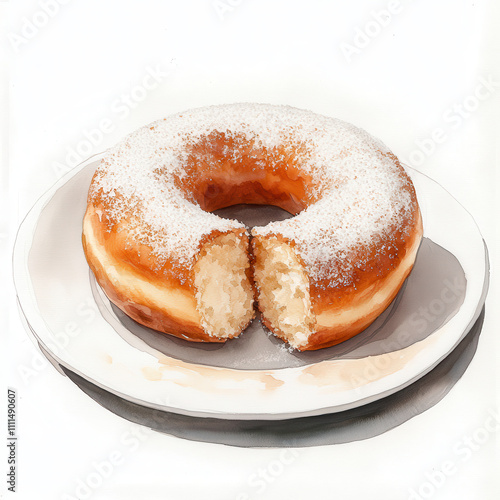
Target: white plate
[(252, 377)]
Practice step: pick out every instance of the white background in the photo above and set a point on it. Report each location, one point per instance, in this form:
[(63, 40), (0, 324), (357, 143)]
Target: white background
[(74, 77)]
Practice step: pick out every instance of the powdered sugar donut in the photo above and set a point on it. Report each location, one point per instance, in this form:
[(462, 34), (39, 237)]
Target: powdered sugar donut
[(164, 258)]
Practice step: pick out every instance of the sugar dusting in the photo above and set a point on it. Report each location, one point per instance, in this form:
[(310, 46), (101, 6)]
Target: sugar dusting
[(362, 190)]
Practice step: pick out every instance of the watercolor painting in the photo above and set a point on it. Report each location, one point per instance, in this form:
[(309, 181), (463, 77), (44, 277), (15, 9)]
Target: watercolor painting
[(408, 404)]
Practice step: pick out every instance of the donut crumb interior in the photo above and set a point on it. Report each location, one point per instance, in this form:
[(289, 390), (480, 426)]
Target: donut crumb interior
[(283, 290), (224, 293)]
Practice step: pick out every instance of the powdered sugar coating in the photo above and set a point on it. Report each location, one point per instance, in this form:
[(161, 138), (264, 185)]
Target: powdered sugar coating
[(362, 191)]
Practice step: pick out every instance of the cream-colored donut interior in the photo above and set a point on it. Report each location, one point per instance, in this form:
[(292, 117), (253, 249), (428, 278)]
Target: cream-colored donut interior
[(224, 293), (283, 290)]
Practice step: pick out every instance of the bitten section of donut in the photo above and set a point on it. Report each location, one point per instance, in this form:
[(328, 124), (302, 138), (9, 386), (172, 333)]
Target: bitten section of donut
[(224, 292), (283, 291)]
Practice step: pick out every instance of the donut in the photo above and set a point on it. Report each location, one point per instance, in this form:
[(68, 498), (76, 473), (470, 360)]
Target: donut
[(318, 278)]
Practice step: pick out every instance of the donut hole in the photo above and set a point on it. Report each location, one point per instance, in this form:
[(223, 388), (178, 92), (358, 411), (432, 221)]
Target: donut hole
[(224, 292), (253, 215)]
